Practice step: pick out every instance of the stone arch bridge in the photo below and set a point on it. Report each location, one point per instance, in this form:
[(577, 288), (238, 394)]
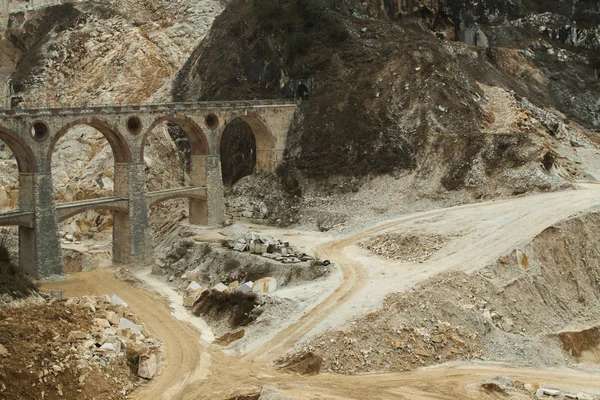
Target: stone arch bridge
[(32, 134)]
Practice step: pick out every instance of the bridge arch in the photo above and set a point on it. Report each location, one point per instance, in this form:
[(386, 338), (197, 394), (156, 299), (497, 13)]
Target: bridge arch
[(63, 215), (194, 133), (120, 149), (26, 160), (159, 200), (265, 140)]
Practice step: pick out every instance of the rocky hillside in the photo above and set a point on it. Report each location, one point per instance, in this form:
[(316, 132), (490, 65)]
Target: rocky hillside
[(490, 98), (533, 307), (104, 51)]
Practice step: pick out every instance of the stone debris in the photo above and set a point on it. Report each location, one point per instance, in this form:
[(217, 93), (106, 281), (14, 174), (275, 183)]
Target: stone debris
[(265, 285), (193, 286), (124, 323), (117, 301), (147, 366), (220, 287), (268, 247), (404, 247), (75, 348), (271, 393), (522, 260), (245, 287), (192, 298)]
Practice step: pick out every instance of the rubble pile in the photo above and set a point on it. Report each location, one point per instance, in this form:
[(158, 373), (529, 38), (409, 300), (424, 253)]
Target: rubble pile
[(195, 292), (87, 347), (402, 247), (516, 388), (379, 347), (268, 247)]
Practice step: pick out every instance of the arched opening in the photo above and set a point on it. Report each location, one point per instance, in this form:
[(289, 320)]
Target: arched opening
[(302, 92), (175, 152), (86, 240), (238, 152), (9, 203), (82, 165), (83, 159), (263, 139), (17, 162)]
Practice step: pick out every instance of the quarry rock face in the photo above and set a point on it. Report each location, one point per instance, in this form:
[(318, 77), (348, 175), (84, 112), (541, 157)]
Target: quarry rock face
[(455, 95)]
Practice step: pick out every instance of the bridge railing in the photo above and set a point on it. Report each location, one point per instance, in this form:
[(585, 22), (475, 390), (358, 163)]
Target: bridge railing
[(132, 108)]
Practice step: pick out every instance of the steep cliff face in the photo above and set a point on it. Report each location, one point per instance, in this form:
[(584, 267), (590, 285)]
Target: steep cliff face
[(106, 51), (461, 95)]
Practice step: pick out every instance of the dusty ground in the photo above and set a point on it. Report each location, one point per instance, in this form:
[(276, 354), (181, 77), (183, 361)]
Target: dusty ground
[(196, 370)]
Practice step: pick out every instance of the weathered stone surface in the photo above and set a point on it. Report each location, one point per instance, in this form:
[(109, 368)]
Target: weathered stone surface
[(191, 299), (147, 366), (3, 350), (265, 285)]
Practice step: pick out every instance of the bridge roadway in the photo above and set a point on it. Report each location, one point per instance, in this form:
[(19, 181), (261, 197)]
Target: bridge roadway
[(113, 203), (32, 135)]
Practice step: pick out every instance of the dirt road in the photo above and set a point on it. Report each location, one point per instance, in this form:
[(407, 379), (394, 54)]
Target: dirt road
[(198, 371)]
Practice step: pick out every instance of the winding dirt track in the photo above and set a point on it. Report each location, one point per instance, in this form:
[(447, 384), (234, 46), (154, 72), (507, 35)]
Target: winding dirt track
[(194, 370)]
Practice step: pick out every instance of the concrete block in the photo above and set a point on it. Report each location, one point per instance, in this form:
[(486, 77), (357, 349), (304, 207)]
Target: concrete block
[(124, 323), (265, 285)]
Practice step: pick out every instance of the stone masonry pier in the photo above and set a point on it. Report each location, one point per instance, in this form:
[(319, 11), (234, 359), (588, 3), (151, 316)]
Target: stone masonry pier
[(32, 135)]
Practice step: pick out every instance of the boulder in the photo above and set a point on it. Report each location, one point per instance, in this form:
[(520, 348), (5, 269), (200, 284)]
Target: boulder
[(193, 286), (245, 288), (105, 299), (3, 350), (115, 347), (219, 287), (147, 366), (191, 299), (233, 286), (271, 393), (124, 323), (117, 301), (101, 322), (265, 285)]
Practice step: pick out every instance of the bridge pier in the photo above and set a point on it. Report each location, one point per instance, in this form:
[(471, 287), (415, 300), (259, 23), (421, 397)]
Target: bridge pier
[(39, 247), (198, 207), (215, 199), (206, 171), (131, 230)]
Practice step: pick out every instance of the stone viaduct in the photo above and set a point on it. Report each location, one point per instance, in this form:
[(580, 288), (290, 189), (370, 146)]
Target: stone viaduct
[(32, 134)]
